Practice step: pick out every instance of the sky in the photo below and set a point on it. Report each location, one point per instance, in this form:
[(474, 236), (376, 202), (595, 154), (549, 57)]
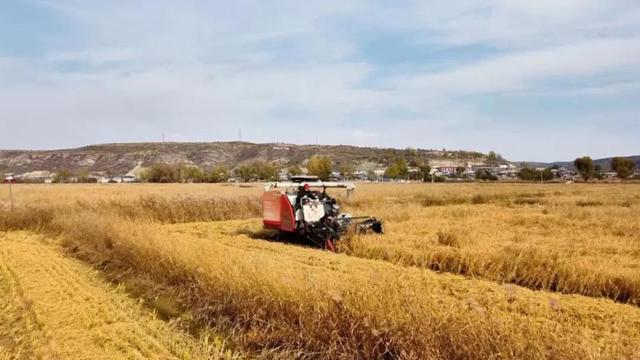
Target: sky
[(532, 80)]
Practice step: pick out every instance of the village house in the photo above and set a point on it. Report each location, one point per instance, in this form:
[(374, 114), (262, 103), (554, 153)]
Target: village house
[(36, 176), (9, 178)]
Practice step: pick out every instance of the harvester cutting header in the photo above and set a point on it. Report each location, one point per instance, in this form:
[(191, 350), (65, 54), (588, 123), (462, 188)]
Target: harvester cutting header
[(302, 207)]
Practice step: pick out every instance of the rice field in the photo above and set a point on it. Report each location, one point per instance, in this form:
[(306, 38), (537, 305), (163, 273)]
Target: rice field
[(55, 307), (464, 271)]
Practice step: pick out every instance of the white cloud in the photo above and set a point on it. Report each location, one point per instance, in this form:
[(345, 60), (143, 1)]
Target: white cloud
[(524, 23), (525, 70), (94, 57), (199, 70)]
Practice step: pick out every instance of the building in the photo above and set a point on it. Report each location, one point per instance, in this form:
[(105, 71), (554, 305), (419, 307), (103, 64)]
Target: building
[(335, 176), (360, 175), (9, 178), (469, 174), (128, 179), (36, 176), (447, 170), (283, 174)]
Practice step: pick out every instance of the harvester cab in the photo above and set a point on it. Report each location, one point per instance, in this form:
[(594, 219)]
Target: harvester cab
[(303, 207)]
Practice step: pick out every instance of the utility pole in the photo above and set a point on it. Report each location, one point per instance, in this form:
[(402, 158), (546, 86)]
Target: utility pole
[(239, 134)]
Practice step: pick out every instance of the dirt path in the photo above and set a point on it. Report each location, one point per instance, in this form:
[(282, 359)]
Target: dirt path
[(53, 307)]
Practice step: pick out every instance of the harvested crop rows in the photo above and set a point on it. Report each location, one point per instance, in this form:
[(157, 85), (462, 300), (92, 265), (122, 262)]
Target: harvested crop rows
[(56, 307), (494, 247)]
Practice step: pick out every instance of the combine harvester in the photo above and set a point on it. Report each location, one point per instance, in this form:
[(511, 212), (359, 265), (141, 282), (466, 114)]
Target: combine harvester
[(298, 208)]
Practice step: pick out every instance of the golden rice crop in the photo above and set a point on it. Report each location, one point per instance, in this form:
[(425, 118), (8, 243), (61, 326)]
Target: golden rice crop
[(335, 306), (55, 307), (178, 209), (572, 239), (309, 304), (68, 194)]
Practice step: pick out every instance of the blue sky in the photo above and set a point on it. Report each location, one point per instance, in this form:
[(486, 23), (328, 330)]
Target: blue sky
[(533, 80)]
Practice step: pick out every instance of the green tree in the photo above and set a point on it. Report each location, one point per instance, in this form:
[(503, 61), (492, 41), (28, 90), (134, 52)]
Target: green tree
[(436, 178), (163, 173), (371, 175), (484, 174), (584, 166), (191, 174), (546, 174), (62, 176), (529, 174), (346, 170), (144, 174), (415, 175), (320, 166), (218, 174), (597, 172), (246, 172), (425, 171), (294, 170), (492, 158), (266, 171), (622, 166), (83, 176), (398, 170), (391, 172)]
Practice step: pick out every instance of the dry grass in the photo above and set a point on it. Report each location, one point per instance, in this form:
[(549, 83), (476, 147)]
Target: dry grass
[(57, 308), (178, 209), (572, 239), (66, 194), (322, 305), (303, 303)]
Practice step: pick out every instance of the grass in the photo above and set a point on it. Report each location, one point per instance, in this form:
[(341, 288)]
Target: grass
[(274, 300), (55, 308), (178, 209), (543, 238), (275, 296)]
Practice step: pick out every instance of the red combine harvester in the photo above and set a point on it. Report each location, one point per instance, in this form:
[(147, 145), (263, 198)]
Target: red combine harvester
[(298, 207)]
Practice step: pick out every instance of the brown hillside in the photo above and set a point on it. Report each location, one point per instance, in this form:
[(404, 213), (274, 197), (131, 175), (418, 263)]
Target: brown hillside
[(121, 158)]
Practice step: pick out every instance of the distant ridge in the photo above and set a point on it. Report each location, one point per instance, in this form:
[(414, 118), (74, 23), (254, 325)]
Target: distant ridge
[(114, 159), (605, 163)]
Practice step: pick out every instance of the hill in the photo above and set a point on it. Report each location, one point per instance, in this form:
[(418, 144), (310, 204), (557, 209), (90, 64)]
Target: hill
[(605, 163), (115, 159)]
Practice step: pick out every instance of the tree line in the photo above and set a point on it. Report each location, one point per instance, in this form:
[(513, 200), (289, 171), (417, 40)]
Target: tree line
[(586, 169), (170, 173), (623, 167), (323, 167), (320, 166)]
